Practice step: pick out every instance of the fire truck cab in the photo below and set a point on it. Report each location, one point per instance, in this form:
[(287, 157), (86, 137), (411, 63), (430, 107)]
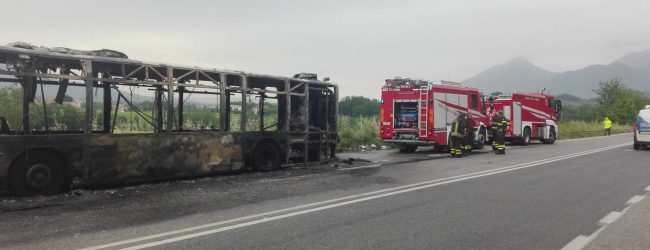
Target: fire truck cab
[(420, 113), (530, 116)]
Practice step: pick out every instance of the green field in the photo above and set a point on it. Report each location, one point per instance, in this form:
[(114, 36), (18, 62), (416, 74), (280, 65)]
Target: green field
[(581, 129)]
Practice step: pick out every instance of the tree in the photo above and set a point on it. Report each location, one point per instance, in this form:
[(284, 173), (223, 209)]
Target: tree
[(358, 106), (609, 92), (619, 103)]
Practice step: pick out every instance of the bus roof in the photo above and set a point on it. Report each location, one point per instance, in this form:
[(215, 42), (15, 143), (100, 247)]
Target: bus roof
[(5, 51)]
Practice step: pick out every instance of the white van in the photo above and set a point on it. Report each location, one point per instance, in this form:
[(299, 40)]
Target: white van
[(642, 129)]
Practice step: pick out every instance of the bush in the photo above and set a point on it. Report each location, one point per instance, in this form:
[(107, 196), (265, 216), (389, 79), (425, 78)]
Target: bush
[(357, 131)]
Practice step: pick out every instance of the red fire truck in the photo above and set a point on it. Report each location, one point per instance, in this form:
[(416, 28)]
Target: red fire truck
[(420, 113), (531, 116)]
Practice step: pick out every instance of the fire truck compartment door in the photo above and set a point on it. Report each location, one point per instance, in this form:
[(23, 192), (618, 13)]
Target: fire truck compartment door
[(516, 118), (439, 112), (451, 115)]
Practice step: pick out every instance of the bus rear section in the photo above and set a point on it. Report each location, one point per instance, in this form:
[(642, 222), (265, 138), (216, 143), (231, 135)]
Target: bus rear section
[(420, 113)]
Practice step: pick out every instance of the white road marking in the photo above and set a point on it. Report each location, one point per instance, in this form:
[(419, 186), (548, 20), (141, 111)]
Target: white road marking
[(360, 167), (590, 138), (314, 207), (635, 199), (582, 241), (610, 218), (382, 160), (577, 243)]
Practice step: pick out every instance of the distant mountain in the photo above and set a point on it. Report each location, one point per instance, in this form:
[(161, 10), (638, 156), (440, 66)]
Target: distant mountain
[(581, 82), (511, 76), (637, 60), (520, 75)]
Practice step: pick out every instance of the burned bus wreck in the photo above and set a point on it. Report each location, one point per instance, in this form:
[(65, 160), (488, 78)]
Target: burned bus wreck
[(243, 120)]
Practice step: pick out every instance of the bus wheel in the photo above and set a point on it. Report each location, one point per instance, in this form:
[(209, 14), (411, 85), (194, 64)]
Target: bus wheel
[(266, 156), (41, 174), (525, 140)]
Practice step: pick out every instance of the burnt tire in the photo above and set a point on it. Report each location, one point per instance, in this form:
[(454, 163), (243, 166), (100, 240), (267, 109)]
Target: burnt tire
[(525, 138), (407, 148), (40, 174), (266, 156)]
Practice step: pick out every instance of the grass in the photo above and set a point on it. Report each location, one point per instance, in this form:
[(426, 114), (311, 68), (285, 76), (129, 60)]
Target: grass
[(355, 132), (582, 129)]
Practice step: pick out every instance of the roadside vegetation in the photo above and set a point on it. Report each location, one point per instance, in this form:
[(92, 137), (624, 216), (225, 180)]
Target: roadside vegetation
[(581, 129), (358, 123), (358, 132)]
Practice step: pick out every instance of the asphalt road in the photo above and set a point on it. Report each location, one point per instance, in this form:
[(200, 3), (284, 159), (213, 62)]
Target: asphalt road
[(535, 197)]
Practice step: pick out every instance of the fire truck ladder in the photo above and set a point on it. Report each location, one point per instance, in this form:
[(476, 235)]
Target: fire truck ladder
[(424, 110)]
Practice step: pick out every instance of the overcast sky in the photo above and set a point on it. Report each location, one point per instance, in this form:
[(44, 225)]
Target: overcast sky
[(356, 43)]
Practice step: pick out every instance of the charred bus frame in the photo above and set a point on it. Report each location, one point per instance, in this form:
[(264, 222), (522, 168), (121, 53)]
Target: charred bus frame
[(46, 162)]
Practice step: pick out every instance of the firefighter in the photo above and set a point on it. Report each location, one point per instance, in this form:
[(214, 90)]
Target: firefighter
[(469, 135), (498, 126), (607, 123), (457, 135)]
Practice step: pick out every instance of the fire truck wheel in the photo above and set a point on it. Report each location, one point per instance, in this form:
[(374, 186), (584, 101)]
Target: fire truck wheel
[(41, 174), (525, 140), (266, 156), (407, 148), (552, 136), (482, 139)]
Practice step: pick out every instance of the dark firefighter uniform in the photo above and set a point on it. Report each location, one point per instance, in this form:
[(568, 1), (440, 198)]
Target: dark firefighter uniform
[(468, 145), (457, 135), (499, 125)]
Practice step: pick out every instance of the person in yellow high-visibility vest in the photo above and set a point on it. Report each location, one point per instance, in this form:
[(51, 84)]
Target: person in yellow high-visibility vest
[(607, 123)]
